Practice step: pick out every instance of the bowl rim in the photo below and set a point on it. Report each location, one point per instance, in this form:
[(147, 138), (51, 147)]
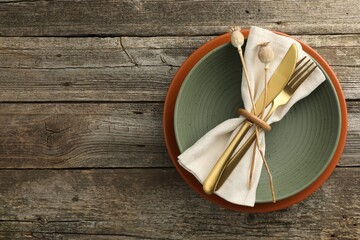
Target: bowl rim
[(173, 150), (328, 159)]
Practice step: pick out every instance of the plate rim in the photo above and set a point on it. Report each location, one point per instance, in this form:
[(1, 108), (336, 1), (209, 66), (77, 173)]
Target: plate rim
[(328, 160), (171, 144)]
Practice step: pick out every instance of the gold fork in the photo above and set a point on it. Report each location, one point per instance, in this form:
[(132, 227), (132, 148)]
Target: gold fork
[(301, 73)]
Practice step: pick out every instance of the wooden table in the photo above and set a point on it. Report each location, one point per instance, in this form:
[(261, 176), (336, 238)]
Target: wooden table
[(82, 87)]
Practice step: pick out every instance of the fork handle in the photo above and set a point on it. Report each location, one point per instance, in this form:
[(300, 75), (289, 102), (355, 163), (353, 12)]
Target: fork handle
[(213, 177)]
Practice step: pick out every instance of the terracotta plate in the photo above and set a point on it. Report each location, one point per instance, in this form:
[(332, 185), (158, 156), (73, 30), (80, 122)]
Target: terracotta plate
[(288, 197)]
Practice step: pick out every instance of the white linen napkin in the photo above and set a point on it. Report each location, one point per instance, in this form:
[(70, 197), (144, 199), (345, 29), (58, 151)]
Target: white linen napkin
[(200, 158)]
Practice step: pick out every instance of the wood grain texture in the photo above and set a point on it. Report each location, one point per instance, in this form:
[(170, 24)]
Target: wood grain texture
[(157, 204), (128, 68), (82, 85), (82, 135), (64, 236), (170, 17), (102, 135)]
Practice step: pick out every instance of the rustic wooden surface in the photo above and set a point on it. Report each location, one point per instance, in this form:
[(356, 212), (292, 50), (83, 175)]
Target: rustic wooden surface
[(82, 85)]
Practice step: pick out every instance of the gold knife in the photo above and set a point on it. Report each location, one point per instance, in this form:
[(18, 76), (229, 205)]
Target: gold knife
[(276, 83), (234, 160)]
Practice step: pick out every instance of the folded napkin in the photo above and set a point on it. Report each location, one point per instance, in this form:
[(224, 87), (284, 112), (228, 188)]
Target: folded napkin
[(200, 158)]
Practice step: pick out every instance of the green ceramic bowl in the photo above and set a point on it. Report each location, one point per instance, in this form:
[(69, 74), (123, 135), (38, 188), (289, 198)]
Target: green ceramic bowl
[(298, 148)]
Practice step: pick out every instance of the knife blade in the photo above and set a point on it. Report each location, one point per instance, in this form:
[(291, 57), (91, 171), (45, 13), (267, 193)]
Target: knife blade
[(276, 83)]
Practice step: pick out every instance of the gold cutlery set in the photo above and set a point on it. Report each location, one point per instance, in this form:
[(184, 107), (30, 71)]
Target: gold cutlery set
[(287, 78)]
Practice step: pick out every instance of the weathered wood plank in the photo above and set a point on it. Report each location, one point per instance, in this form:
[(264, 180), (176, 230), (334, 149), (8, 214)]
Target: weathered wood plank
[(149, 18), (91, 84), (127, 69), (350, 40), (102, 135), (82, 135), (44, 53), (155, 203), (352, 146), (63, 236)]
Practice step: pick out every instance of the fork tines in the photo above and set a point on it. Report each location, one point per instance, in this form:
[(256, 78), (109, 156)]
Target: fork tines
[(302, 71)]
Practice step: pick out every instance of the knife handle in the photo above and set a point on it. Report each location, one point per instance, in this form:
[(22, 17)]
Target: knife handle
[(213, 177), (240, 154), (234, 161)]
